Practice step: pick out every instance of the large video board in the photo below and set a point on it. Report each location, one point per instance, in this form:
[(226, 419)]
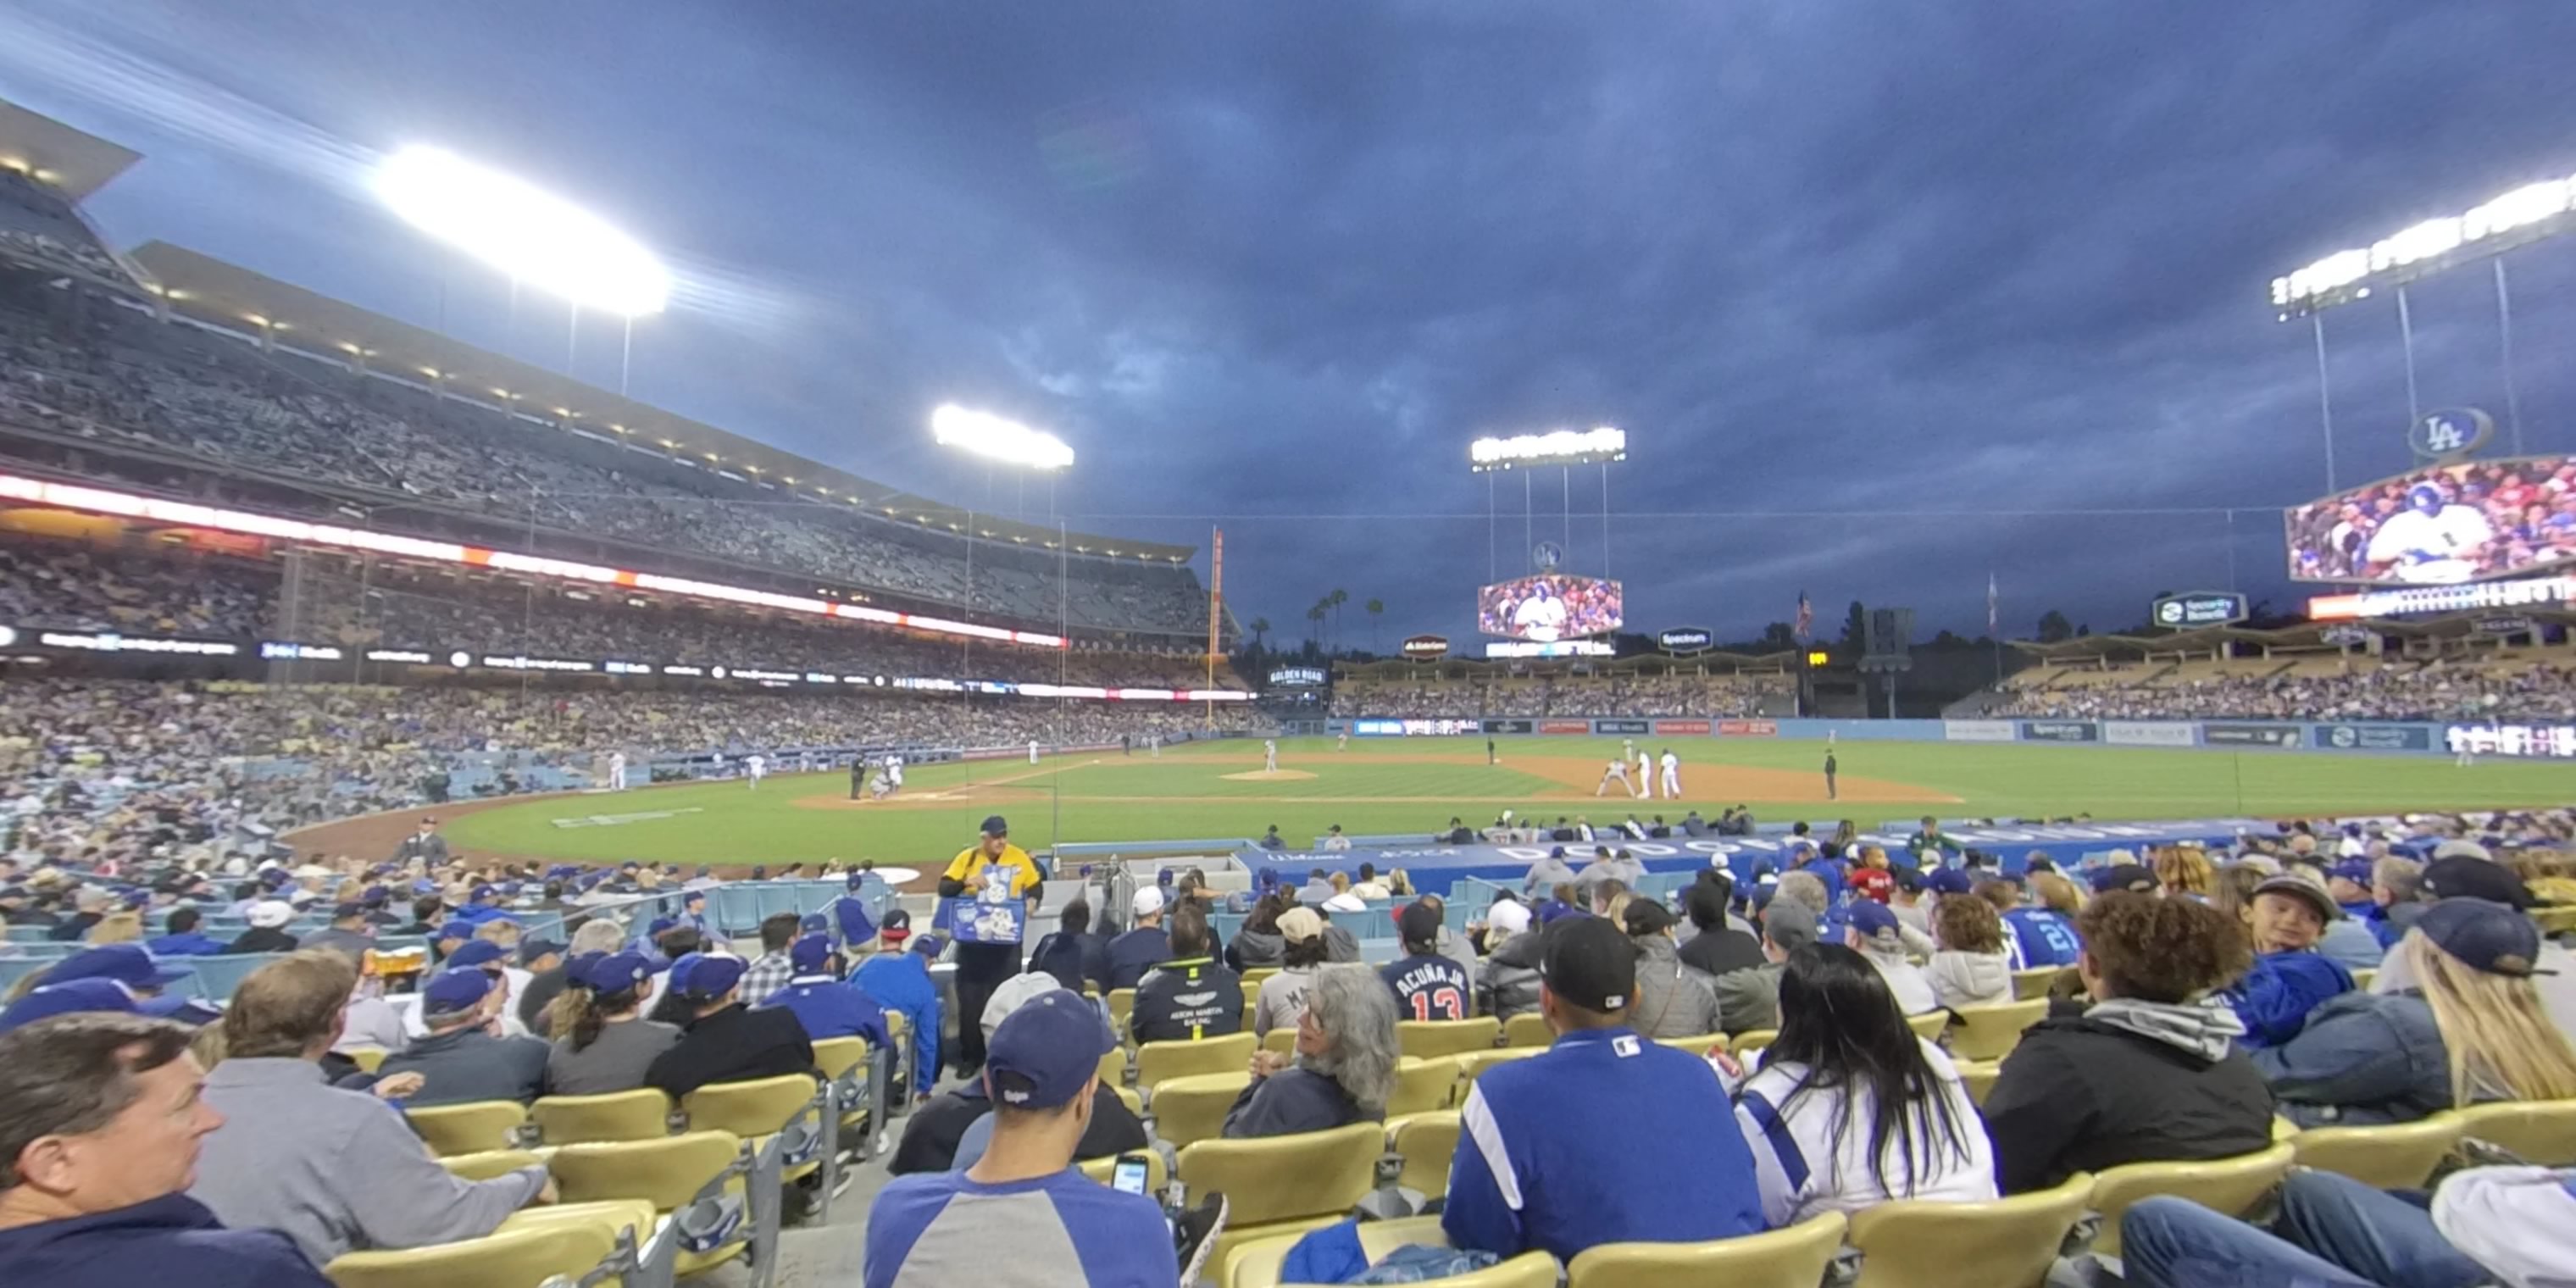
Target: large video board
[(2441, 525), (1549, 606)]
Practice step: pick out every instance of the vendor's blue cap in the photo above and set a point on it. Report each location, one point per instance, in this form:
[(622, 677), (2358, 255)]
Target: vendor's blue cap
[(453, 992), (128, 964), (64, 999), (1948, 881), (994, 826), (611, 972), (810, 955), (480, 952), (1043, 1053), (700, 976)]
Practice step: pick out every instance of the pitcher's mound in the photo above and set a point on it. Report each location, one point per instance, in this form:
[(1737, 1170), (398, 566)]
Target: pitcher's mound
[(1269, 775)]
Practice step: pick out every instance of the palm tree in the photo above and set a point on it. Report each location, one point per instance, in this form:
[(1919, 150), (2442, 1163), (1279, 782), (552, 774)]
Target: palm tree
[(1260, 627), (1315, 615), (1338, 598), (1376, 609)]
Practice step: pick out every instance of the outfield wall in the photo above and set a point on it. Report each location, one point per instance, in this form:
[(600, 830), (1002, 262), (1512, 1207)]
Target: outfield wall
[(2345, 737)]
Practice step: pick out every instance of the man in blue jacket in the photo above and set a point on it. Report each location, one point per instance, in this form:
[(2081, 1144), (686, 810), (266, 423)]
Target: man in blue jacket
[(181, 938), (1535, 1166), (2290, 978), (99, 1128), (827, 1007)]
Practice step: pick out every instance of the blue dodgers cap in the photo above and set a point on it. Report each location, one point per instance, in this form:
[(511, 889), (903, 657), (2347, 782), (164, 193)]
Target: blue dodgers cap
[(815, 923), (2489, 937), (456, 930), (810, 955), (706, 978), (454, 992), (63, 999), (1874, 920), (1949, 881), (2356, 871), (654, 928), (128, 964), (995, 826), (483, 892), (1045, 1051), (611, 972), (480, 952)]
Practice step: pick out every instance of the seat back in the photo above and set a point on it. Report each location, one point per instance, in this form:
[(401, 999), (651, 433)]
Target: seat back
[(2010, 1243), (641, 1114), (2361, 979), (532, 1255), (1426, 1141), (1698, 1044), (1287, 1178), (1431, 1039), (1991, 1032), (367, 1058), (1160, 1062), (1527, 1029), (2395, 1157), (1122, 1003), (1473, 1065), (1422, 1085), (1792, 1258), (1133, 1099), (2035, 982), (1979, 1077), (1252, 995), (667, 1173), (1282, 1040), (1929, 1025), (1113, 1066), (786, 1106), (1192, 1109), (2541, 1131), (2227, 1186), (1104, 1170), (490, 1163), (837, 1056), (1753, 1040), (471, 1128)]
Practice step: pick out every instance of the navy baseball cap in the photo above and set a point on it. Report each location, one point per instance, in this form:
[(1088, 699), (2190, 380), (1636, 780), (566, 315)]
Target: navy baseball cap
[(897, 925), (456, 930), (2462, 877), (454, 992), (128, 964), (536, 946), (64, 999), (611, 972), (810, 955), (654, 928), (344, 911), (1948, 881), (1587, 962), (994, 826), (705, 978), (1874, 920), (815, 923), (1044, 1052), (479, 952), (2356, 871), (483, 892), (2124, 878), (2489, 936)]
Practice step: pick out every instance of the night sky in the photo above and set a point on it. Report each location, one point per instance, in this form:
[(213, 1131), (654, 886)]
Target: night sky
[(1887, 296)]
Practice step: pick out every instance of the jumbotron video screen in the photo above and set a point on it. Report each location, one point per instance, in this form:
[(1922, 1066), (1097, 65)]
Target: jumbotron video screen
[(2441, 525), (1549, 606)]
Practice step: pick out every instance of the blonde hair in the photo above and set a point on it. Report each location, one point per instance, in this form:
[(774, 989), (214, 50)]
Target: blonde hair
[(504, 933), (2494, 1028), (1617, 912), (1341, 883), (2058, 893), (2183, 869), (116, 928)]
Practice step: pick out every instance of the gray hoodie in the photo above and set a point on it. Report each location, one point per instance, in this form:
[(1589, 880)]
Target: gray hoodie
[(1970, 979), (1507, 982), (1673, 1001)]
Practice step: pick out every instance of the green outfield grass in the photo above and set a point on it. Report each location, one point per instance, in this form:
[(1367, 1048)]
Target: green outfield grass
[(1389, 785)]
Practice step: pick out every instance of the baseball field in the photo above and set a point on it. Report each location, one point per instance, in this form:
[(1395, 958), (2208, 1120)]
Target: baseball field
[(1416, 785)]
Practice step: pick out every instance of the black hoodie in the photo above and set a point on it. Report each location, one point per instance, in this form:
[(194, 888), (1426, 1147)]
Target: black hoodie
[(2080, 1095), (171, 1236)]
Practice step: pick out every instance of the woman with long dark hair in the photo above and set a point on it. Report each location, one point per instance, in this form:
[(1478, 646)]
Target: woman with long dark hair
[(1850, 1108)]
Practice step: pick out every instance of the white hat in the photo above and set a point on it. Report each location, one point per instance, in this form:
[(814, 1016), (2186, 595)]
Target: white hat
[(1346, 902), (1011, 994), (270, 914), (2457, 849), (1149, 901), (1509, 918)]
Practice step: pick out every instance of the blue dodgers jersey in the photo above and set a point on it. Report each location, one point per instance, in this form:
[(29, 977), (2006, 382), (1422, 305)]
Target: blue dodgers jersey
[(2042, 938)]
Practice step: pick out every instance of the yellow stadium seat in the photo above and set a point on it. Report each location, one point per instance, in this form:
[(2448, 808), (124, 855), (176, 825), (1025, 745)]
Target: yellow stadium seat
[(1431, 1039), (1473, 1066), (699, 1175), (2036, 982), (1698, 1044), (2006, 1244), (1426, 1141), (1792, 1258), (367, 1058), (1991, 1032), (1122, 1003), (641, 1114), (1284, 1184), (765, 1107), (1113, 1066), (490, 1163), (1192, 1109), (1157, 1172), (2361, 979), (2540, 1131), (837, 1056), (1752, 1040), (2227, 1186), (2395, 1157), (1979, 1077), (1422, 1085), (1251, 996), (533, 1255), (1160, 1062), (1929, 1025), (469, 1128), (1132, 1098), (2555, 921), (1282, 1040), (1527, 1029), (1256, 1264), (1257, 974)]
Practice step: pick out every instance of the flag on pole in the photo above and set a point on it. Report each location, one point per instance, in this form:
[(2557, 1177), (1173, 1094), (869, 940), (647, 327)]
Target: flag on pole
[(1806, 622), (1993, 601)]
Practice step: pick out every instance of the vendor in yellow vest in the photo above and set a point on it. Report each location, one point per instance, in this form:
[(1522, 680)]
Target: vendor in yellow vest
[(982, 967)]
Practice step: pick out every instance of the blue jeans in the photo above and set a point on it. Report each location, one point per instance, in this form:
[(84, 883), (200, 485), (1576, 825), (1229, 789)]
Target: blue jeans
[(2334, 1232)]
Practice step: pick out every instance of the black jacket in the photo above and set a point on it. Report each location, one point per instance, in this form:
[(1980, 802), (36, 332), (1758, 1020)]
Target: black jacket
[(931, 1134), (2078, 1096), (1186, 999), (1136, 952), (1720, 950), (1073, 959), (733, 1045), (1292, 1101), (261, 939)]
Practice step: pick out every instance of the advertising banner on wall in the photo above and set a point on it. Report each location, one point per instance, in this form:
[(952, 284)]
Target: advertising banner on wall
[(1621, 726), (2061, 731), (1511, 726), (2150, 733), (1748, 728), (2371, 737), (2249, 735), (1979, 730), (1700, 727), (2554, 741), (1565, 726), (1445, 728)]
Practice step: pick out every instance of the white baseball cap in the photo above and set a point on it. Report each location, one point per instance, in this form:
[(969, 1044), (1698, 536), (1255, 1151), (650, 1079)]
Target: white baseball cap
[(269, 914), (1509, 918), (1148, 901)]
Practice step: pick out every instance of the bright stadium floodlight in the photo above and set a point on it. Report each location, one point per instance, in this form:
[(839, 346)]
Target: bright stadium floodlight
[(1558, 447), (525, 231), (2518, 218), (990, 436)]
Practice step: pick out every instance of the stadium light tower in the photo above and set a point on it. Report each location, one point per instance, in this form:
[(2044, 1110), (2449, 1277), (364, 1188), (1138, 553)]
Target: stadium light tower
[(531, 234), (994, 438)]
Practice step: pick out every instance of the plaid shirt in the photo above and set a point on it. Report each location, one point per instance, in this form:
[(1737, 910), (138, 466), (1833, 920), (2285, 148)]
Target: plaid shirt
[(765, 977)]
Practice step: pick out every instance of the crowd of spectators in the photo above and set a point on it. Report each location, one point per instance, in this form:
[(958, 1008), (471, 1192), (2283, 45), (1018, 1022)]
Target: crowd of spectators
[(177, 390), (2368, 691), (1705, 696)]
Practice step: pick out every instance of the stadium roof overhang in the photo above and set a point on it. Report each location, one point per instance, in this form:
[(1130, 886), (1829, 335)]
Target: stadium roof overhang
[(72, 161), (2210, 639), (239, 299)]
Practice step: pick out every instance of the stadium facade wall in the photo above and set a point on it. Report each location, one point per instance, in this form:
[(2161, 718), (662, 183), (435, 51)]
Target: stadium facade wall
[(2341, 737)]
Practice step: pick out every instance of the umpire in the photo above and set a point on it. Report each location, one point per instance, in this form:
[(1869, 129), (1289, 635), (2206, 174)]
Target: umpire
[(982, 967)]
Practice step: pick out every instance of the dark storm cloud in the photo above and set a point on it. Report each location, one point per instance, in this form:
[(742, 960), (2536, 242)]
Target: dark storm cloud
[(1889, 296)]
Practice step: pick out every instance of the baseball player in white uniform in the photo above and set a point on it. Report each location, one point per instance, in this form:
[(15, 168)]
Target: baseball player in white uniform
[(1344, 743), (753, 766), (1270, 755), (1033, 751), (617, 771), (1645, 775), (1618, 769), (1672, 775)]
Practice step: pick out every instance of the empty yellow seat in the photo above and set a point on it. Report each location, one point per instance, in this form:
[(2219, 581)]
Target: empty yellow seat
[(2227, 1186), (2540, 1131), (1282, 1040), (469, 1128), (1991, 1032), (534, 1254), (641, 1114), (1132, 1098), (1122, 1003), (1192, 1109), (1699, 1044), (489, 1163), (1422, 1085), (1284, 1184), (699, 1177), (1113, 1066), (1431, 1039), (2398, 1156), (1474, 1064), (1426, 1141), (1792, 1258), (1160, 1062), (2036, 982), (763, 1107), (2010, 1243), (1527, 1029)]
